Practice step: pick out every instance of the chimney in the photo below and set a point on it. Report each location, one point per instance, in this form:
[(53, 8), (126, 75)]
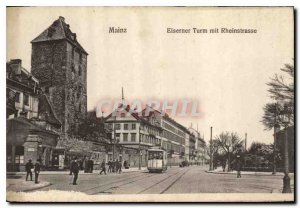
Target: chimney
[(16, 66), (62, 18)]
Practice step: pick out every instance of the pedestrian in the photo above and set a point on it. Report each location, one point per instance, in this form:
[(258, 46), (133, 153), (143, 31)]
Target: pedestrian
[(28, 168), (85, 164), (103, 169), (238, 168), (119, 167), (75, 170), (37, 170), (91, 165), (114, 166), (72, 160), (126, 165), (109, 166)]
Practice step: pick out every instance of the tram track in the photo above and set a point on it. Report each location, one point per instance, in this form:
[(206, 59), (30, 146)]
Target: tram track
[(110, 183), (163, 180), (122, 184)]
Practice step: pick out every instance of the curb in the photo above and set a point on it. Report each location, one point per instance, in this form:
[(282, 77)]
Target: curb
[(254, 173), (36, 188)]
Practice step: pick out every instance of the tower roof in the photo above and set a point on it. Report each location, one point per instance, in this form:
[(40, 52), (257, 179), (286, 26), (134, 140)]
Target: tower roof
[(59, 30)]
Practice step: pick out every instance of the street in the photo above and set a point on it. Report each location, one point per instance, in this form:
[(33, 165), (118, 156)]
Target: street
[(192, 179)]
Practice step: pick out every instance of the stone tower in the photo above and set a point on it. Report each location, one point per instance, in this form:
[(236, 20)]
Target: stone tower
[(60, 64)]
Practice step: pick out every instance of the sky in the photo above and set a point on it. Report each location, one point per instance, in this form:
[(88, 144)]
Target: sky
[(225, 73)]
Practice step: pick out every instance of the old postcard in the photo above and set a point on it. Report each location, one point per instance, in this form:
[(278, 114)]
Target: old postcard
[(150, 104)]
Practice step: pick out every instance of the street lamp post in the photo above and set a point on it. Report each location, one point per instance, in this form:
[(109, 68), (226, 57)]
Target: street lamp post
[(140, 147), (285, 119), (274, 151), (211, 154)]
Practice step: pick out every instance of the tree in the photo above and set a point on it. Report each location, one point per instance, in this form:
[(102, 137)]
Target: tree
[(270, 118), (230, 143), (92, 129), (260, 155), (281, 89), (212, 149)]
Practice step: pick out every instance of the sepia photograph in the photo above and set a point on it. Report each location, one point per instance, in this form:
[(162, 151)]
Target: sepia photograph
[(150, 104)]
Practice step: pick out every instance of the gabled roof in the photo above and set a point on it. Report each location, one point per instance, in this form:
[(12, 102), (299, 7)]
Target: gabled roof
[(46, 107), (133, 114), (59, 30)]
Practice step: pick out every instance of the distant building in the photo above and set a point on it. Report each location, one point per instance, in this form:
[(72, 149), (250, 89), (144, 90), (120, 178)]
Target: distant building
[(59, 62), (134, 132), (197, 147), (132, 135), (32, 126)]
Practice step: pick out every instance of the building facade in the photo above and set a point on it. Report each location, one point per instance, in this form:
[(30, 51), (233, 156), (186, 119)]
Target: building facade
[(59, 62), (131, 136), (32, 126), (137, 132)]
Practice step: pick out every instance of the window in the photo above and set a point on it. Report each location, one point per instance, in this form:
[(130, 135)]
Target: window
[(26, 99), (125, 126), (122, 115), (80, 57), (17, 97), (118, 126), (117, 136), (133, 137), (79, 71), (19, 157), (125, 137), (133, 126)]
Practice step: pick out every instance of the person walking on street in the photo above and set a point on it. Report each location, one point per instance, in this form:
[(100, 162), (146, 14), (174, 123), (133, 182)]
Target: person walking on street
[(238, 168), (70, 167), (109, 166), (92, 165), (28, 168), (119, 167), (75, 170), (37, 170), (103, 169)]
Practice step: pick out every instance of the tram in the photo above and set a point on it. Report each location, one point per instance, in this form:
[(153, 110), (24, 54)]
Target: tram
[(157, 160)]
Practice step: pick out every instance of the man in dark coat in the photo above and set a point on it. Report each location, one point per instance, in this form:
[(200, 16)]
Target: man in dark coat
[(103, 169), (238, 166), (37, 170), (119, 166), (72, 160), (75, 170), (109, 166), (28, 168), (92, 165)]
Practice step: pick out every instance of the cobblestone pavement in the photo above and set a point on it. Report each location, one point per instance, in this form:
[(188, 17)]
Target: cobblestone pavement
[(193, 179)]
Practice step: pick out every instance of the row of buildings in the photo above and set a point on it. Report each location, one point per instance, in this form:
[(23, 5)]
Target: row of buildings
[(46, 106)]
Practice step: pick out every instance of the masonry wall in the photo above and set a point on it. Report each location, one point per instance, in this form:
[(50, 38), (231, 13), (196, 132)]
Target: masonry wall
[(61, 69)]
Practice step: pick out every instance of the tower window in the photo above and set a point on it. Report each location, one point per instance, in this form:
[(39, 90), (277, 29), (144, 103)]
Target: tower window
[(80, 57), (79, 71)]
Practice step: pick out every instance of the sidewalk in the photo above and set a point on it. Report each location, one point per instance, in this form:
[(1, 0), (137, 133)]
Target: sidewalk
[(220, 171), (21, 185), (67, 172), (15, 181)]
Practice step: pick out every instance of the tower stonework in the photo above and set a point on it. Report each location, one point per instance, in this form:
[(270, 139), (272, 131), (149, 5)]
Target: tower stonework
[(60, 64)]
